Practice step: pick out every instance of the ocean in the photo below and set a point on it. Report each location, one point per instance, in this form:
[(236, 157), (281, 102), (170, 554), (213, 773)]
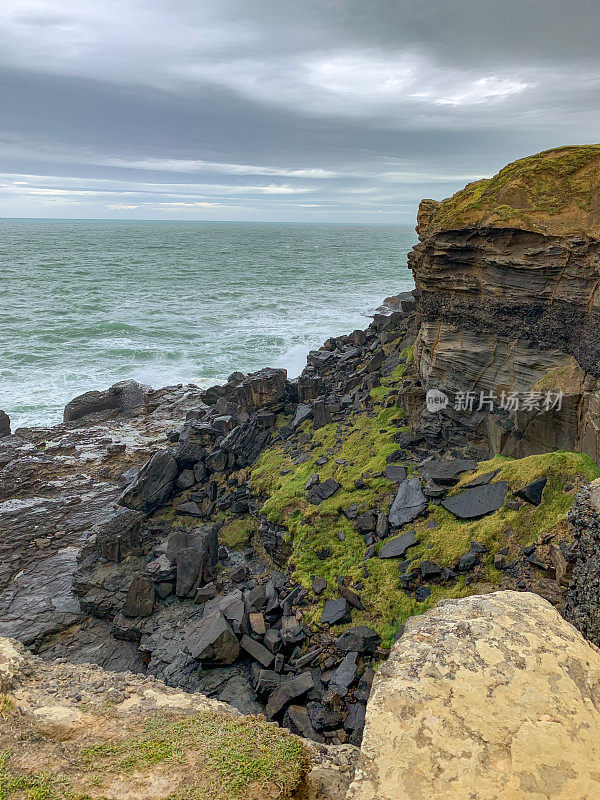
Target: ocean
[(84, 304)]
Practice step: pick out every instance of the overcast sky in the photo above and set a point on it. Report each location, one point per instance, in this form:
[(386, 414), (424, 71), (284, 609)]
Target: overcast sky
[(309, 110)]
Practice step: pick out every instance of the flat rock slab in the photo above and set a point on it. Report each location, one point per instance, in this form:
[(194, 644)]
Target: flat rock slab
[(487, 698), (408, 504), (482, 480), (396, 548), (335, 611), (447, 471), (477, 502)]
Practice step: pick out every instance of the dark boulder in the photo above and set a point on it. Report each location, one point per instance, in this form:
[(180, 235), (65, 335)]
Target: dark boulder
[(322, 415), (447, 471), (430, 570), (303, 412), (297, 720), (335, 611), (343, 677), (122, 397), (246, 442), (211, 639), (395, 473), (322, 491), (154, 484), (290, 689), (4, 424), (257, 651), (261, 389)]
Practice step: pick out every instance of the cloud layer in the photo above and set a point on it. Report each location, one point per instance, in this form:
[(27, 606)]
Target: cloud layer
[(328, 110)]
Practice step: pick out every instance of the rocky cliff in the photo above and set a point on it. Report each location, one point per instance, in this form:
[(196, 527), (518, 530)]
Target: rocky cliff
[(507, 277)]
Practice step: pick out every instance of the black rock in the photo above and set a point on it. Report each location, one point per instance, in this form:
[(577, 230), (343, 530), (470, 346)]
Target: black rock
[(409, 503), (322, 717), (303, 412), (290, 689), (190, 565), (430, 570), (360, 639), (319, 585), (365, 523), (343, 677), (335, 611), (322, 491), (211, 639), (363, 690), (422, 593), (352, 598), (477, 502), (4, 424), (482, 480), (296, 719), (468, 562), (321, 413), (154, 484), (396, 548), (355, 719), (532, 493)]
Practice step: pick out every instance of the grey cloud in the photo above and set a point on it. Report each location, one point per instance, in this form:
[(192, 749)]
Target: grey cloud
[(328, 109)]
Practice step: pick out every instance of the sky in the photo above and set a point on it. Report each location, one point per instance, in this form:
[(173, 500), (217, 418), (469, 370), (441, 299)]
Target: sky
[(263, 110)]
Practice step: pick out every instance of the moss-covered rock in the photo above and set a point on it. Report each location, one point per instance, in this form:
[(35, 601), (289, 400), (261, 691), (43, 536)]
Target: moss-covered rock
[(556, 192)]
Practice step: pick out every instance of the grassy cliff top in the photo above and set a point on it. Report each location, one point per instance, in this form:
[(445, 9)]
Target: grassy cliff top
[(556, 192)]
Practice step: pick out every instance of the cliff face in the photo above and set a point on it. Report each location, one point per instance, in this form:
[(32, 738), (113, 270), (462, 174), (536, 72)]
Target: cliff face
[(507, 279)]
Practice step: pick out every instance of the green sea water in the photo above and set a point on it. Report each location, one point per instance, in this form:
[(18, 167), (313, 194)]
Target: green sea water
[(85, 304)]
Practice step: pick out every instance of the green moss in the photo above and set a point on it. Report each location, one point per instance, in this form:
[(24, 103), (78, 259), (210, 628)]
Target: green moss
[(550, 181), (237, 533)]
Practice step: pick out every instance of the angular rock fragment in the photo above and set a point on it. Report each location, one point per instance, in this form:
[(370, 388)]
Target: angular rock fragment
[(212, 640), (140, 597), (360, 639), (153, 486), (532, 493), (258, 651), (335, 611), (409, 503), (290, 689), (396, 548)]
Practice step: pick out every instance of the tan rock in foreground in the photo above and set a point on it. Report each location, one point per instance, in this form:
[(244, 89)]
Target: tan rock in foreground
[(493, 697)]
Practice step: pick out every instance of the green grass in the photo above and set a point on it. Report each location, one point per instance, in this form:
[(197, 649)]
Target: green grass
[(226, 758)]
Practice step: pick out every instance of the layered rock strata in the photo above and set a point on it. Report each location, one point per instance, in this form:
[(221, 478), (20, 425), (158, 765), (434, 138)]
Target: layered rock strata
[(507, 277)]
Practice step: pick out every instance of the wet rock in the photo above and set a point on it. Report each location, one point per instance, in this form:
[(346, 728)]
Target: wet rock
[(360, 639), (212, 640), (125, 396), (477, 502), (532, 493), (4, 424), (396, 548), (290, 689), (140, 597), (409, 503), (335, 611), (153, 486)]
